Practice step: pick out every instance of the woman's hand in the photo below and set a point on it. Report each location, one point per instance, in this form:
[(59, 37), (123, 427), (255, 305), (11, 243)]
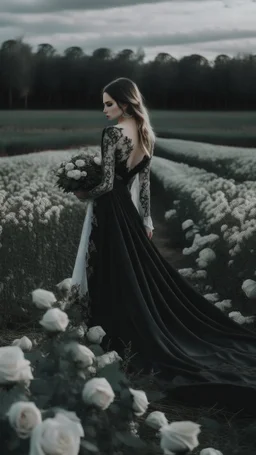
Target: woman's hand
[(81, 195), (149, 232)]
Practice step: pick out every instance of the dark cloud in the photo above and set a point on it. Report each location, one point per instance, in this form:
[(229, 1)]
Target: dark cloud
[(52, 6), (178, 38), (178, 26)]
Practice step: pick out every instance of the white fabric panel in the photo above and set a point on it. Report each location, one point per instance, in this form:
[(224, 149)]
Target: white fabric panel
[(79, 275)]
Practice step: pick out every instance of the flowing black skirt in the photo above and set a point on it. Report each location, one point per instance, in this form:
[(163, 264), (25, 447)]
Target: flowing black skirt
[(203, 357)]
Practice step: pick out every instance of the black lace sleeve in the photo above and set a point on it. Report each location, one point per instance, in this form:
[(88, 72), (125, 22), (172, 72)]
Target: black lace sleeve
[(144, 179), (110, 138)]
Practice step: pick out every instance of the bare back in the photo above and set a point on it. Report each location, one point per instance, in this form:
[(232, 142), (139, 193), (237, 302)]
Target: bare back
[(130, 130)]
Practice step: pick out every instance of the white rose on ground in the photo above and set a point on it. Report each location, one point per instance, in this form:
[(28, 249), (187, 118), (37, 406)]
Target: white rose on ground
[(80, 163), (224, 304), (81, 330), (24, 416), (81, 354), (69, 166), (187, 224), (140, 401), (178, 436), (56, 436), (249, 288), (13, 366), (210, 451), (95, 334), (107, 359), (43, 299), (206, 256), (99, 392), (156, 420), (239, 318), (55, 320), (65, 285), (24, 343), (214, 297)]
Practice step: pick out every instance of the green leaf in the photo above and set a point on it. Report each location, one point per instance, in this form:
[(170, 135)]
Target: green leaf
[(114, 376), (210, 424)]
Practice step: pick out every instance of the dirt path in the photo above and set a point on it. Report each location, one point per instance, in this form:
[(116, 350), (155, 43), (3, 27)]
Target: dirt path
[(161, 233)]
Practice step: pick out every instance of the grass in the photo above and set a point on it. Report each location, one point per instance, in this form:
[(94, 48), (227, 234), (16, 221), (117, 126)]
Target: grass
[(28, 131)]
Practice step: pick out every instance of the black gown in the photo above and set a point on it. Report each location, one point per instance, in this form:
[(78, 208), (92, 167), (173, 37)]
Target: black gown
[(202, 355)]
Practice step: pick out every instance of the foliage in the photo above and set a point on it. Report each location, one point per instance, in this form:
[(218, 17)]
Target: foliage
[(46, 79)]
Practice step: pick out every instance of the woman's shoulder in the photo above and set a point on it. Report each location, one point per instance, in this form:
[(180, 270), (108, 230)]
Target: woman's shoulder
[(112, 132)]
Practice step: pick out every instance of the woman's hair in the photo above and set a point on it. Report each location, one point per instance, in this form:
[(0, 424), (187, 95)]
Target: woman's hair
[(125, 91)]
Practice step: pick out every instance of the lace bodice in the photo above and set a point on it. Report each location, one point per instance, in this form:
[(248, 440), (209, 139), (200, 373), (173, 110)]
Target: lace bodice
[(116, 149)]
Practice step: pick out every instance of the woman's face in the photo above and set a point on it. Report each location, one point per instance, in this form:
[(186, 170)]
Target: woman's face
[(111, 108)]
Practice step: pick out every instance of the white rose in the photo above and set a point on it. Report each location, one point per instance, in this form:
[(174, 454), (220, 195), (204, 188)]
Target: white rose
[(55, 320), (95, 334), (80, 163), (60, 171), (83, 174), (97, 160), (239, 318), (249, 288), (140, 401), (24, 343), (13, 366), (70, 174), (76, 174), (156, 420), (24, 416), (178, 436), (80, 330), (56, 436), (99, 392), (92, 370), (107, 359), (43, 299), (81, 354), (210, 451), (64, 285), (69, 167)]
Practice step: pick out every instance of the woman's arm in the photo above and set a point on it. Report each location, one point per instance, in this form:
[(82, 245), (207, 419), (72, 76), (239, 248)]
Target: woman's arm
[(110, 138), (144, 179)]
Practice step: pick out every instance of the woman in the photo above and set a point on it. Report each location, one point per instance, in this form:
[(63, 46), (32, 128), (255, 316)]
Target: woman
[(135, 294)]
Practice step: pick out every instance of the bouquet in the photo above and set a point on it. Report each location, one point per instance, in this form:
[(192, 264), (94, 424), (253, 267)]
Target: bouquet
[(81, 173)]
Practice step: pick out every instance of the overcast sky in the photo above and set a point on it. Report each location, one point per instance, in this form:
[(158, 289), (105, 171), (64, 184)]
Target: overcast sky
[(181, 27)]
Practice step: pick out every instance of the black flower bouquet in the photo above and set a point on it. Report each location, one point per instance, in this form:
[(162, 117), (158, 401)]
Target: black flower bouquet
[(82, 172)]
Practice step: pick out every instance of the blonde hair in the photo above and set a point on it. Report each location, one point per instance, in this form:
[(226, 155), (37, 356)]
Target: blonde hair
[(125, 91)]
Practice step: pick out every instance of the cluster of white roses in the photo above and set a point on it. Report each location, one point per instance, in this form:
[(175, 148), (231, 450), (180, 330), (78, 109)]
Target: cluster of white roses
[(62, 433), (76, 167), (73, 170)]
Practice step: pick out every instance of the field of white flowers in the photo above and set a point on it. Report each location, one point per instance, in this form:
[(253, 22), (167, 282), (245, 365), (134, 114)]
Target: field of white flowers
[(40, 228), (216, 215), (229, 162)]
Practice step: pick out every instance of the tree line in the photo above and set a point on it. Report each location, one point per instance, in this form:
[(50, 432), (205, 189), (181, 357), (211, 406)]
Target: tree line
[(45, 79)]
